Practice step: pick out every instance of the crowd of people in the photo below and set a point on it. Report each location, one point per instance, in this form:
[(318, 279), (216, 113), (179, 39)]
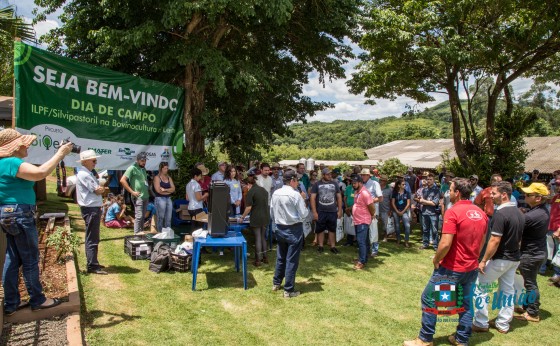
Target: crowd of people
[(480, 235)]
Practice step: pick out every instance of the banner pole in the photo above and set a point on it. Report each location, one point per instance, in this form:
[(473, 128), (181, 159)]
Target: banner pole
[(17, 39)]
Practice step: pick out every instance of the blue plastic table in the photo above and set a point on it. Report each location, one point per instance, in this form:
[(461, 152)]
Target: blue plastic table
[(232, 239)]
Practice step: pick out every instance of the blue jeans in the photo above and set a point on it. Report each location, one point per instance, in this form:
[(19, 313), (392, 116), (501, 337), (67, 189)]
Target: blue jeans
[(430, 227), (22, 251), (429, 320), (406, 222), (287, 256), (164, 208), (362, 236)]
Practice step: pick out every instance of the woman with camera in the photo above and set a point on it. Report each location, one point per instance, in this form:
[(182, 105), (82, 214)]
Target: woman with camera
[(17, 218)]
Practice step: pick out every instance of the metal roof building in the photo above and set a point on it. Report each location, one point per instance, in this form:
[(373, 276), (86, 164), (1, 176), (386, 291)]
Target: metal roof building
[(426, 153)]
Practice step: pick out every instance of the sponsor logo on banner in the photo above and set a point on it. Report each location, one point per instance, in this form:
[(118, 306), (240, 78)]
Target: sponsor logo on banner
[(165, 155), (126, 153), (101, 151)]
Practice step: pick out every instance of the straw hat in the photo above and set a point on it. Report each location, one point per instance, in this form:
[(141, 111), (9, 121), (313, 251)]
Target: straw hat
[(11, 140), (203, 169), (87, 155), (365, 171)]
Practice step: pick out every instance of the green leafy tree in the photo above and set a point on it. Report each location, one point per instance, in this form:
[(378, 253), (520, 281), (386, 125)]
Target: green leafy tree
[(11, 26), (392, 167), (414, 48), (242, 64)]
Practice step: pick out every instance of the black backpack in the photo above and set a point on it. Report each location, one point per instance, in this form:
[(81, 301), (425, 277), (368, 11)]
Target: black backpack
[(160, 259)]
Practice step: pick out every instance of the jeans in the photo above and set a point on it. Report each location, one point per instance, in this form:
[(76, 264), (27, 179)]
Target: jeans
[(430, 230), (466, 280), (362, 236), (406, 223), (529, 268), (140, 206), (22, 251), (504, 272), (287, 256), (164, 209), (92, 219)]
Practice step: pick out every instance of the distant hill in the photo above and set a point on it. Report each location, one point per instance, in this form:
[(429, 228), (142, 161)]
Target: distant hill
[(363, 134), (434, 122)]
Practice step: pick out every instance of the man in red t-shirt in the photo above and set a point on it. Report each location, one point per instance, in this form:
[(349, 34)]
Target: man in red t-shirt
[(554, 225), (455, 266)]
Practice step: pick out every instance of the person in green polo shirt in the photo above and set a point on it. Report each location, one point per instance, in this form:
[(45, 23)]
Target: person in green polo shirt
[(135, 181)]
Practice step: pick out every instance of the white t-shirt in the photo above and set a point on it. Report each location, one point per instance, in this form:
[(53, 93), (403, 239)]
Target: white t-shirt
[(265, 183), (192, 188)]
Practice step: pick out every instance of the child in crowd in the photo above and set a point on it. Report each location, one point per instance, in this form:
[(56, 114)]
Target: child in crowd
[(150, 216), (116, 217)]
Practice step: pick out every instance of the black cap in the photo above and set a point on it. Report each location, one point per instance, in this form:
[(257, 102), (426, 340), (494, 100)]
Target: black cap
[(141, 156), (356, 178)]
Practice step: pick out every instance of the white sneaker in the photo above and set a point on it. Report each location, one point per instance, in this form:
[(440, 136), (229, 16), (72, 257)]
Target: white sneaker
[(221, 253)]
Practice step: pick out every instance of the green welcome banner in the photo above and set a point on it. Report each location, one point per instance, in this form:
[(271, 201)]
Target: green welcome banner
[(115, 114)]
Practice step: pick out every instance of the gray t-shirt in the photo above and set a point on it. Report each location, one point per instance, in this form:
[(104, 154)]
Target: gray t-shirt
[(326, 200), (192, 188)]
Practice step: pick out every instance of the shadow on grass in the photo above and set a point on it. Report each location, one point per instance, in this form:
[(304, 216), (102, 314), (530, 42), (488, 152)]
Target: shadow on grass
[(475, 339), (309, 285), (110, 319), (228, 279)]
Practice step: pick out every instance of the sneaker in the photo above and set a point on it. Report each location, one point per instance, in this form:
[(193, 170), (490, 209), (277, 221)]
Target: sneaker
[(454, 341), (334, 250), (291, 294), (555, 278), (221, 253), (373, 255), (417, 342), (276, 287), (423, 247), (477, 329), (492, 324), (320, 249)]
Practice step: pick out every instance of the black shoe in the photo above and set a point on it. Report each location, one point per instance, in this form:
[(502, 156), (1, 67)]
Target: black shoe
[(98, 271), (320, 249), (101, 266), (51, 305), (334, 250), (22, 305)]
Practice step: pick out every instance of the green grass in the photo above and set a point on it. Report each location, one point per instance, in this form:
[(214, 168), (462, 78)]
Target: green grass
[(377, 306)]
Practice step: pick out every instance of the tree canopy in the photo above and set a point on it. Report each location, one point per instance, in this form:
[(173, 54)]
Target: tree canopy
[(11, 26), (414, 48), (242, 64)]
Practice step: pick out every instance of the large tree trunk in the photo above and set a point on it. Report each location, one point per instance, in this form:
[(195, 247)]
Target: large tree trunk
[(454, 104), (194, 106)]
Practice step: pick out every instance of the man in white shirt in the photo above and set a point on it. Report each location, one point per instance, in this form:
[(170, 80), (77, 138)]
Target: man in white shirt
[(219, 175), (264, 180), (88, 193), (288, 211)]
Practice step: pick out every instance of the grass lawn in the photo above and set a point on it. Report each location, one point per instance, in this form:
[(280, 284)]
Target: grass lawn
[(376, 306)]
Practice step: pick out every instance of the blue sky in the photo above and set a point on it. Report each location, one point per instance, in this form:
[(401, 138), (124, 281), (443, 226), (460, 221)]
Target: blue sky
[(347, 106)]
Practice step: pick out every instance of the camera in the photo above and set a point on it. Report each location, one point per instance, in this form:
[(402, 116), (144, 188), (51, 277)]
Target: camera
[(75, 148)]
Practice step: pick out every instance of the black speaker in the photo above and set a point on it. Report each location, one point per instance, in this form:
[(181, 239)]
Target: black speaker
[(218, 207)]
